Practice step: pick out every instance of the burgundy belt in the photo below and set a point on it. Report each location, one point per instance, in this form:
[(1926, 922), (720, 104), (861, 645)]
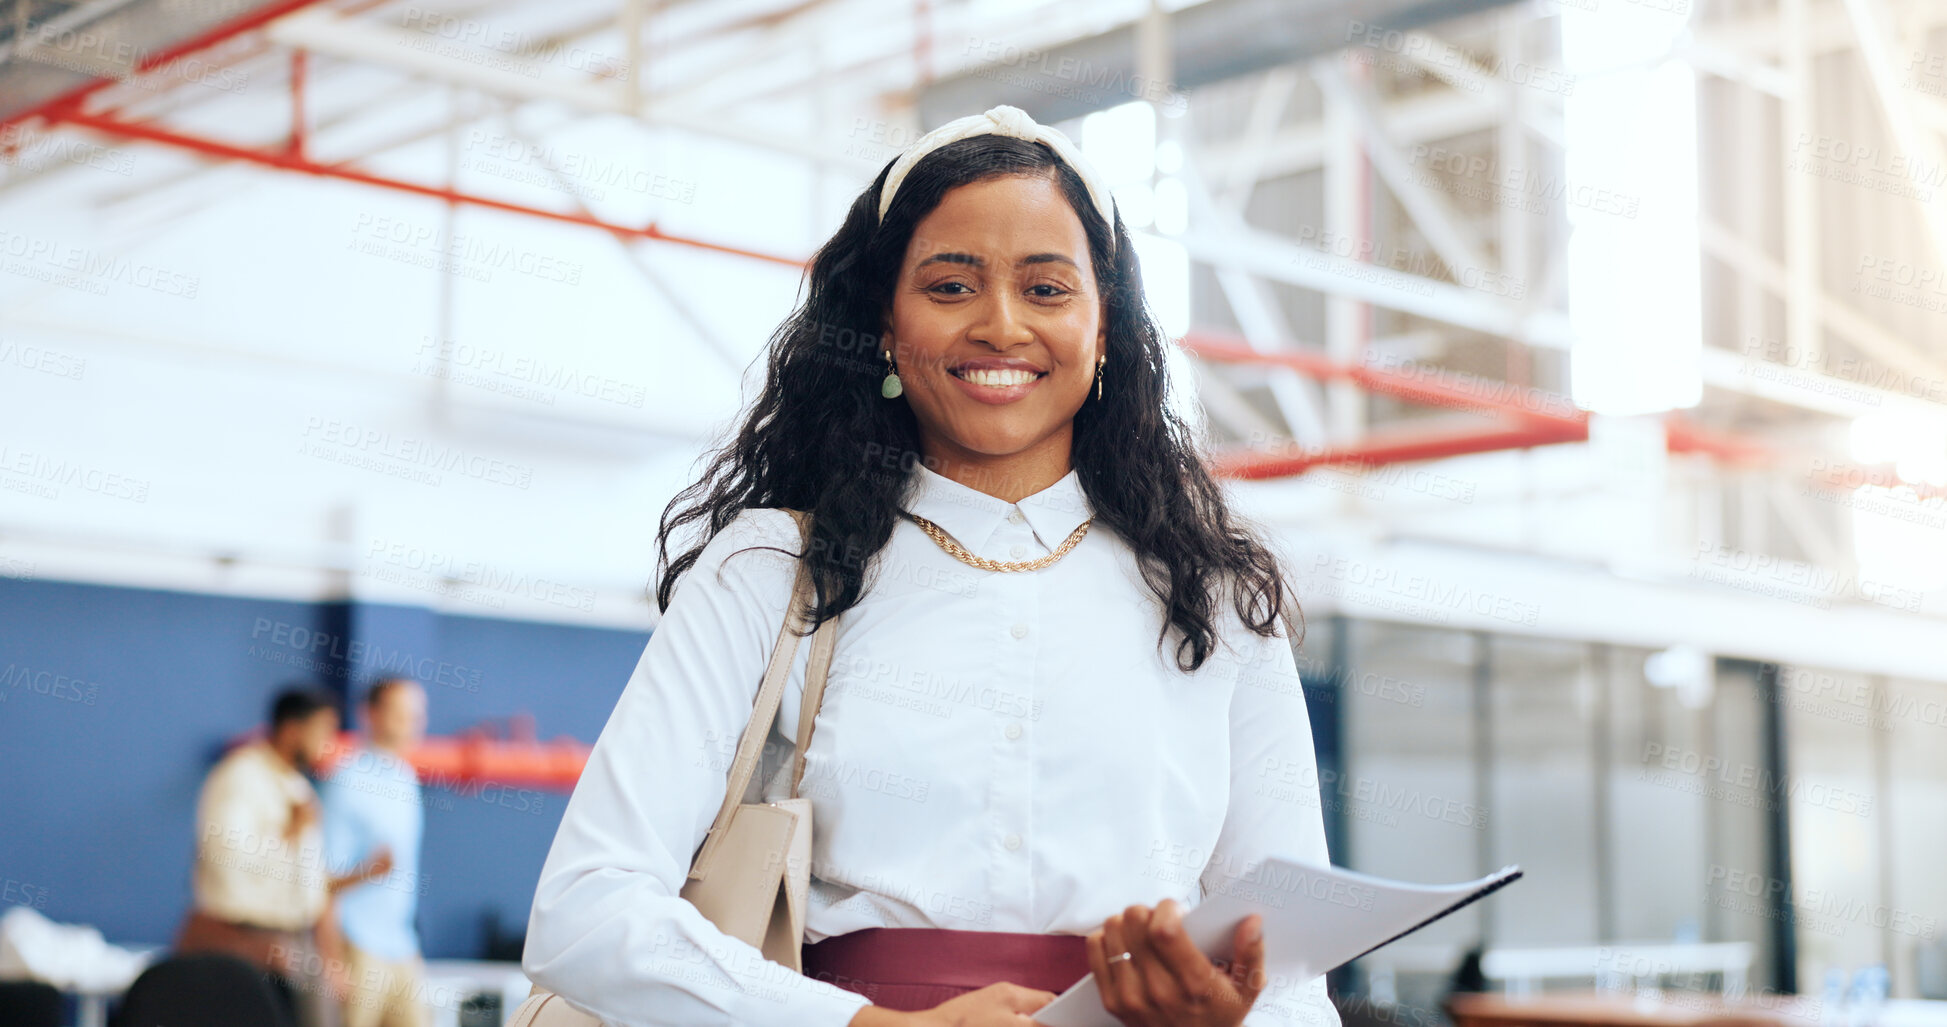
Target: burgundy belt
[(914, 968)]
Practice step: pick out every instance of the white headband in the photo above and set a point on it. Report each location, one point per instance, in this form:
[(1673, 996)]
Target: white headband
[(1006, 121)]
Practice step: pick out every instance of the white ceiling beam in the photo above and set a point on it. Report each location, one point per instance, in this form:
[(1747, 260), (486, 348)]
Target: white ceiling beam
[(1833, 314), (1735, 66), (1337, 566), (1238, 178), (1828, 29), (1436, 219), (1283, 260), (1301, 148), (322, 32), (1921, 146), (1258, 316)]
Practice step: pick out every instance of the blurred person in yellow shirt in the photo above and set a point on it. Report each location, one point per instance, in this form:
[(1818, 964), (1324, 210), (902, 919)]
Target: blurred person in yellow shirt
[(261, 889)]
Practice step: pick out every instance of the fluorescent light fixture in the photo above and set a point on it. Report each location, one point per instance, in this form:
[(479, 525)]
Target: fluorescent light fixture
[(1902, 551), (1121, 142), (1630, 195)]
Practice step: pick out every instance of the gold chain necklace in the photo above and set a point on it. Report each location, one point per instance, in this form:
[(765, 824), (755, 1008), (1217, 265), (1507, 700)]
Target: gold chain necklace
[(960, 553)]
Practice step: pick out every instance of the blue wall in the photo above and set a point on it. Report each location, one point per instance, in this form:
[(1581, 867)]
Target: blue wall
[(114, 702)]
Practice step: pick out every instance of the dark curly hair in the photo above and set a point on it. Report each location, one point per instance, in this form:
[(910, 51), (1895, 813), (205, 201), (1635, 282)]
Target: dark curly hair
[(821, 438)]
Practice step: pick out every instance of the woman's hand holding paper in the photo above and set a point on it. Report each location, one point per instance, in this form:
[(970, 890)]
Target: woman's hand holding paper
[(1167, 982)]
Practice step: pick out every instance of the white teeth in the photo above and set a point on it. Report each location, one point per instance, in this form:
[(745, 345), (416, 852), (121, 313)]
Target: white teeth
[(998, 376)]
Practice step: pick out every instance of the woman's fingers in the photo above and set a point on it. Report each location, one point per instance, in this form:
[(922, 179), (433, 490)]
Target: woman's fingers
[(1123, 978), (1098, 964), (1192, 971), (1160, 985), (1023, 999), (1167, 978), (1247, 969)]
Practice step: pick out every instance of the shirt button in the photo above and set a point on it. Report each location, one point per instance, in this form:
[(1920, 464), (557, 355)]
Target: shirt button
[(1013, 731), (1018, 552), (1012, 841), (1014, 517), (1020, 631)]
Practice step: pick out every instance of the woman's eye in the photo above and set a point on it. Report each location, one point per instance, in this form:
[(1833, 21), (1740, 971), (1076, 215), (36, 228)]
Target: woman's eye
[(945, 285), (1052, 290)]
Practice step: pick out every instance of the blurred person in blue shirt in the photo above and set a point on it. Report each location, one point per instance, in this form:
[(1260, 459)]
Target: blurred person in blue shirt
[(373, 817)]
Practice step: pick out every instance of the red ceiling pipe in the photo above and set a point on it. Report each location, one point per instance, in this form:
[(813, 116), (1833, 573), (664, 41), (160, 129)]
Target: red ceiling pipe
[(1685, 436), (1425, 386), (1403, 448), (150, 132), (71, 100), (1432, 387), (66, 108)]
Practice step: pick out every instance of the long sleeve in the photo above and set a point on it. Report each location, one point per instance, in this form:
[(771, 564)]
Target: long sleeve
[(248, 870), (608, 930), (1274, 804), (229, 844), (344, 844)]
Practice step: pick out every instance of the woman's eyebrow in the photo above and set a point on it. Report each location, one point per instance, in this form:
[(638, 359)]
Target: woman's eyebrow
[(976, 261)]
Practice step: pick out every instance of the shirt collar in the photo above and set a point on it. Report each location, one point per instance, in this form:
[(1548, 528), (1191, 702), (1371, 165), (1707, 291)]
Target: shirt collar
[(971, 516)]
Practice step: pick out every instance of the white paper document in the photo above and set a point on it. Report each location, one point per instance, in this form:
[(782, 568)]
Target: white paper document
[(1315, 919)]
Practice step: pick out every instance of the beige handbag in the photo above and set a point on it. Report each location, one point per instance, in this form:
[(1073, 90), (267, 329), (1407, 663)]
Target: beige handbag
[(752, 875)]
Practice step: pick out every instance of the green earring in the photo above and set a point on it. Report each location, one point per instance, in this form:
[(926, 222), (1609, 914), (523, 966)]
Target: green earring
[(891, 388)]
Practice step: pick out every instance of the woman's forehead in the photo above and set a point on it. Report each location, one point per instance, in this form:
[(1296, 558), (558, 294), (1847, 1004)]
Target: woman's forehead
[(1002, 222)]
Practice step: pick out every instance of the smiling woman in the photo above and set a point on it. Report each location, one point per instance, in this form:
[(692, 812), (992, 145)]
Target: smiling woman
[(974, 392), (997, 304)]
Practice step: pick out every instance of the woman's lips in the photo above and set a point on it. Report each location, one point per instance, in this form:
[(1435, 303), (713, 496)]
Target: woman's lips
[(994, 394)]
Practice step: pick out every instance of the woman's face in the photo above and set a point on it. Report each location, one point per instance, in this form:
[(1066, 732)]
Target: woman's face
[(997, 322)]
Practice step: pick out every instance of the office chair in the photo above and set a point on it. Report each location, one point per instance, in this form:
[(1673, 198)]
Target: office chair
[(203, 988), (29, 1004)]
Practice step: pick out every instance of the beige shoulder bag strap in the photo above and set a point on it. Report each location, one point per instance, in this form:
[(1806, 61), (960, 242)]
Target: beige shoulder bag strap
[(751, 875), (770, 696)]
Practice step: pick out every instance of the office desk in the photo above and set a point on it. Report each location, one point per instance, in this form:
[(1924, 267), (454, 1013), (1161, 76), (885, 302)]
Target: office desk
[(450, 981), (1641, 1009)]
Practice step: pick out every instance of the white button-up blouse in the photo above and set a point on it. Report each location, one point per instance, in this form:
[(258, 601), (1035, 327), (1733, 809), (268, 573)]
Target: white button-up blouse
[(996, 751)]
